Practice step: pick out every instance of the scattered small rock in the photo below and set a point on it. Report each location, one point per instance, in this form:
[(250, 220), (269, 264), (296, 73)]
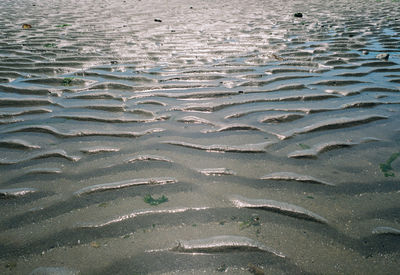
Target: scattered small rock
[(253, 269), (26, 26), (157, 20), (298, 15), (383, 56), (222, 268), (365, 52), (114, 62)]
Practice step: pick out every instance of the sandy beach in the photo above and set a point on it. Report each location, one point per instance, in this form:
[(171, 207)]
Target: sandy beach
[(199, 137)]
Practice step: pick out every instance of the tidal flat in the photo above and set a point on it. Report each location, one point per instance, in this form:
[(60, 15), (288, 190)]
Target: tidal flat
[(199, 137)]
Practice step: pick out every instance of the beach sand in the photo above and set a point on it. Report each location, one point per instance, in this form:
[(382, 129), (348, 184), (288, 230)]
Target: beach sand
[(199, 137)]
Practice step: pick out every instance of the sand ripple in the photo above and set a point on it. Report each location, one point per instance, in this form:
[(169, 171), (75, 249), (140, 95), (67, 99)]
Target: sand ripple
[(134, 113)]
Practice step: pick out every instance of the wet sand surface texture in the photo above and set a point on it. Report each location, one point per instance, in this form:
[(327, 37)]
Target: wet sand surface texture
[(199, 137)]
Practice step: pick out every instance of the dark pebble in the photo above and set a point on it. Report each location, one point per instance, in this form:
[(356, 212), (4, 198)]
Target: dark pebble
[(158, 20), (298, 14), (222, 268)]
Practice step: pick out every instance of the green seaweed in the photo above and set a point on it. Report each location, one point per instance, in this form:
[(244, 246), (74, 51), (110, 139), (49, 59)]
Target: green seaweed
[(67, 81), (152, 201), (50, 45), (11, 265), (254, 220), (103, 204), (304, 146), (63, 25), (386, 167)]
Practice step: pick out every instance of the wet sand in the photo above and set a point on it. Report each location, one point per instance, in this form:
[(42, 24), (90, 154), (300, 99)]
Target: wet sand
[(188, 137)]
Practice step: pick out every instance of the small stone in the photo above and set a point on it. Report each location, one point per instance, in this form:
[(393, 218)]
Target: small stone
[(157, 20), (26, 26), (365, 52), (383, 56), (95, 244), (298, 15), (253, 269), (222, 268)]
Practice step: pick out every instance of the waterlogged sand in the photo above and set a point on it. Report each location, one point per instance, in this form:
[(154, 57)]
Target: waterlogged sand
[(264, 131)]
